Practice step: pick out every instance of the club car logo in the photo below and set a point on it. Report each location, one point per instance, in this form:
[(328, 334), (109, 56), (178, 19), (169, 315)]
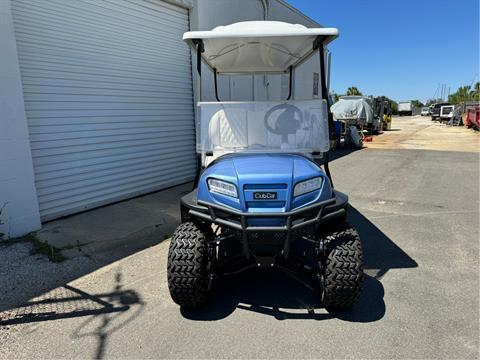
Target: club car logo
[(263, 195)]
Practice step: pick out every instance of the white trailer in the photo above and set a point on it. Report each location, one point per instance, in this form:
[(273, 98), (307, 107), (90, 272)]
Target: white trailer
[(405, 108)]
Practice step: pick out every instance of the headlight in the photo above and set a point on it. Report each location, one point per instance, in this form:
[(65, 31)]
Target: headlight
[(307, 186), (222, 187)]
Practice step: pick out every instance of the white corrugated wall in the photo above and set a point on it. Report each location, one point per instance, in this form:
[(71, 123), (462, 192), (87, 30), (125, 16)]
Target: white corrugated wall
[(108, 97)]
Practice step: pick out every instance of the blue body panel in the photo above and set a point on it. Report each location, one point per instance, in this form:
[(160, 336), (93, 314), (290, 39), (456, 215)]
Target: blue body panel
[(252, 173)]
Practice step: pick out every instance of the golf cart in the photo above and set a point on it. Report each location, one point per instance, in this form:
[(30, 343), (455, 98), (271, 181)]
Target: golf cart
[(261, 200)]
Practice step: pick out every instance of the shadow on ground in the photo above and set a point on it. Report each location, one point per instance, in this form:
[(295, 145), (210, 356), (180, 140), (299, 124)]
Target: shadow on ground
[(337, 154), (89, 240), (104, 313), (380, 252), (276, 294)]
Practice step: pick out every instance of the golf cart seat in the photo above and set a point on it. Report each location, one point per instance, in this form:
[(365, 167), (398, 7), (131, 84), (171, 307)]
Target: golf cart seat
[(228, 131), (253, 127)]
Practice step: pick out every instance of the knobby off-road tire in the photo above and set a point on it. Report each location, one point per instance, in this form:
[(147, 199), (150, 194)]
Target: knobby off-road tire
[(343, 276), (188, 266)]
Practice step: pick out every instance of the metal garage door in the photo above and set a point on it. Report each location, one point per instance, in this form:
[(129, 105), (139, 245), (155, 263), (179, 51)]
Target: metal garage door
[(108, 97)]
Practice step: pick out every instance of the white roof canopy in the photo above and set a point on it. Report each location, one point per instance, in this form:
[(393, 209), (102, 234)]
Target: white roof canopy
[(258, 46)]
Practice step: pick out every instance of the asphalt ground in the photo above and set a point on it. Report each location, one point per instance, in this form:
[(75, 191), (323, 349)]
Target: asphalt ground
[(417, 211)]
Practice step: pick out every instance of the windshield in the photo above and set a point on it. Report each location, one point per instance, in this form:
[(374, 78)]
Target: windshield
[(263, 126)]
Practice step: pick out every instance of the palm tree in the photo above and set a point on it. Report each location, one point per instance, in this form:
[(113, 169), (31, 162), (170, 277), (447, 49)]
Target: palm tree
[(353, 90), (463, 94)]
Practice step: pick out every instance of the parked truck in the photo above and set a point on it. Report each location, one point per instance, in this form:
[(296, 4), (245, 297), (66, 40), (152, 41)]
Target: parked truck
[(452, 114), (435, 110), (405, 108)]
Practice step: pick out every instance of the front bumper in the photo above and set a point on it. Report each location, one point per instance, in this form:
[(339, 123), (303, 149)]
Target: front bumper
[(295, 220)]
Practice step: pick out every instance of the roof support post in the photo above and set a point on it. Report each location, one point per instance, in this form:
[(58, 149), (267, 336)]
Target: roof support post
[(290, 82), (200, 50), (216, 84), (323, 82)]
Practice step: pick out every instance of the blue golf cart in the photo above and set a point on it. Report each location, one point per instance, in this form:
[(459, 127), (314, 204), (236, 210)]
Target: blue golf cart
[(261, 198)]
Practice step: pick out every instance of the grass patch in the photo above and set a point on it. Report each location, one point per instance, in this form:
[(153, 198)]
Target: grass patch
[(39, 247), (12, 241), (44, 248), (6, 242)]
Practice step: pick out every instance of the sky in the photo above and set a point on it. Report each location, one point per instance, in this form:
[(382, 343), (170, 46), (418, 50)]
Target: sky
[(402, 49)]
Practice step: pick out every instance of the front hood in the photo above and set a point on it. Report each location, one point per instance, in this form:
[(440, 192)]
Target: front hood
[(264, 169), (263, 172)]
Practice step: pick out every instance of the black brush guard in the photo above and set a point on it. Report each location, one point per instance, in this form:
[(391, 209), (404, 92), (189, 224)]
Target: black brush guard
[(311, 215)]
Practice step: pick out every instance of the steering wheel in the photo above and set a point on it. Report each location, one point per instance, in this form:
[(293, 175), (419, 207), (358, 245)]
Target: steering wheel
[(287, 122)]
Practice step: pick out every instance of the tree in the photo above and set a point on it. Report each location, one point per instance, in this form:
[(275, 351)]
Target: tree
[(465, 94), (334, 96), (462, 94), (417, 103), (394, 106), (353, 90)]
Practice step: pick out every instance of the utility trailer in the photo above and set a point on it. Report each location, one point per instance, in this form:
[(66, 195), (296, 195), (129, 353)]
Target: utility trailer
[(353, 110), (358, 115), (355, 114)]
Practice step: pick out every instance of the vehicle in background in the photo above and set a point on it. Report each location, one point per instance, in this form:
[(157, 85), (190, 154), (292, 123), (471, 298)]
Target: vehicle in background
[(405, 108), (452, 114), (354, 110), (472, 119), (425, 111), (435, 110), (382, 113)]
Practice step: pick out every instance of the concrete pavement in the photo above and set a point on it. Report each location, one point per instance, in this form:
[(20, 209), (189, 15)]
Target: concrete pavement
[(417, 213), (421, 133)]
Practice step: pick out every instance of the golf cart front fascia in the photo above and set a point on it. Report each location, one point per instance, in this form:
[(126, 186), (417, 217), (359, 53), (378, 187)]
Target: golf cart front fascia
[(313, 215)]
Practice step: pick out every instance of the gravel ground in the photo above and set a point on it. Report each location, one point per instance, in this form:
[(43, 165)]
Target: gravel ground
[(24, 276)]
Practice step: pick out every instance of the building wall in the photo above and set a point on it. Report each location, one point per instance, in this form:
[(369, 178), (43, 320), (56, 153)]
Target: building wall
[(18, 198)]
